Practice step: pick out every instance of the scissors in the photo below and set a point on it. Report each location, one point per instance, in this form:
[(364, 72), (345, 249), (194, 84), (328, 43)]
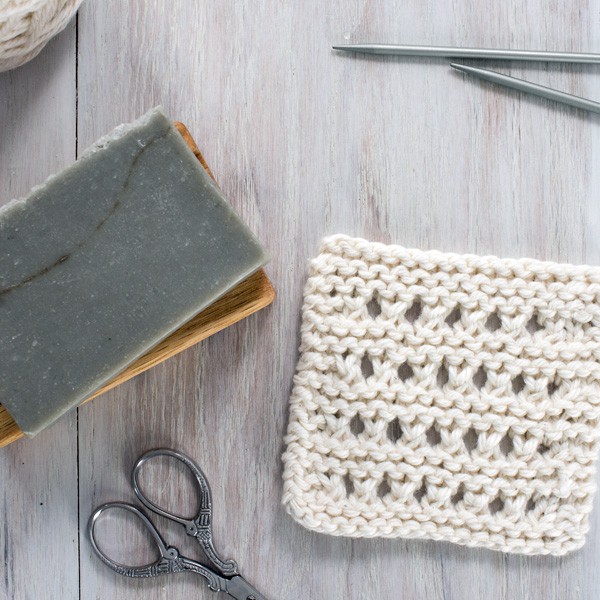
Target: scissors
[(221, 576)]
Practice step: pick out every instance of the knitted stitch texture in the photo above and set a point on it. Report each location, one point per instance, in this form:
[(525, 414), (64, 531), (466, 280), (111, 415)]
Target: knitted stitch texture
[(445, 397)]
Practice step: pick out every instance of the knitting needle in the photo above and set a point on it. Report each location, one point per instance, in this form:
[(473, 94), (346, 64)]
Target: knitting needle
[(532, 88), (449, 52)]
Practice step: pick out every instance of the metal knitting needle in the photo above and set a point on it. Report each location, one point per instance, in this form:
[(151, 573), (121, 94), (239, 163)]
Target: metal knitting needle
[(531, 88), (450, 52)]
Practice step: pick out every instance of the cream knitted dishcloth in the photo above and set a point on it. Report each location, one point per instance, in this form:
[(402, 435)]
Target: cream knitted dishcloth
[(27, 25), (446, 397)]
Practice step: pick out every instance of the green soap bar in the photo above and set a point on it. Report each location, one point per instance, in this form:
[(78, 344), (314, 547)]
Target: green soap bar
[(105, 260)]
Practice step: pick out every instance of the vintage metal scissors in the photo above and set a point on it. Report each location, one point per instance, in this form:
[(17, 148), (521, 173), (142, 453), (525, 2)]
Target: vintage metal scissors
[(222, 576)]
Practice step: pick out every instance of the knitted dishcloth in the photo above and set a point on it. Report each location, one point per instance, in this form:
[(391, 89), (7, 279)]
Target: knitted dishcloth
[(445, 397)]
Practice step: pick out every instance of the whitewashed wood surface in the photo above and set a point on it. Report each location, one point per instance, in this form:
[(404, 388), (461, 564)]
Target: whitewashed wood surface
[(304, 142)]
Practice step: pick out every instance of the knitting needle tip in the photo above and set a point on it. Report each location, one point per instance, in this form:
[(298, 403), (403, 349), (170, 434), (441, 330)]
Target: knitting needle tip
[(364, 48), (462, 68), (531, 88)]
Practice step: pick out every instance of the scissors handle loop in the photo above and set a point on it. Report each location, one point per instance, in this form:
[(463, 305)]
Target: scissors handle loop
[(199, 526), (170, 561)]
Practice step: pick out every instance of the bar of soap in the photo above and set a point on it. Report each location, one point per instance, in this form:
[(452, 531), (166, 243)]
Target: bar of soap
[(105, 260)]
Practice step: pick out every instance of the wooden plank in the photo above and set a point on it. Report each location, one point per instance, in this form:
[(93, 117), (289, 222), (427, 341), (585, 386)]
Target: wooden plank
[(307, 142), (38, 490), (250, 295)]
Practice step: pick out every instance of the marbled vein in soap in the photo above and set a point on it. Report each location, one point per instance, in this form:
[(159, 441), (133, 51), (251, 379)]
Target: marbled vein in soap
[(105, 260)]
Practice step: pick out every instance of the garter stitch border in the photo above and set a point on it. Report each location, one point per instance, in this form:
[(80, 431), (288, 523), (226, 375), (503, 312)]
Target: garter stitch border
[(445, 397)]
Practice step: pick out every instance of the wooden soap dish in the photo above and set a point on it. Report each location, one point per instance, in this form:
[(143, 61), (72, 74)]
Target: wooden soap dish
[(249, 296)]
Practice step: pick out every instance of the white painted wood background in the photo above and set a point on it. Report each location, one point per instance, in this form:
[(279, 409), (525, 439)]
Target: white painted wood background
[(304, 142)]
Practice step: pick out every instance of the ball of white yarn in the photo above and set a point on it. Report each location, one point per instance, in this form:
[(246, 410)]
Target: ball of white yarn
[(27, 25)]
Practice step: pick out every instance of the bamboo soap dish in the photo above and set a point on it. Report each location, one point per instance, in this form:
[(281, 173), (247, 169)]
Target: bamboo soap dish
[(249, 296)]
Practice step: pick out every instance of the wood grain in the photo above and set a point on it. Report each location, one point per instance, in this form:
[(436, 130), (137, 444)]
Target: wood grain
[(38, 483), (250, 295), (306, 142)]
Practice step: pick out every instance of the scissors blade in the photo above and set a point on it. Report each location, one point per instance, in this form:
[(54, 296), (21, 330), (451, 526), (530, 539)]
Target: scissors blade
[(237, 587)]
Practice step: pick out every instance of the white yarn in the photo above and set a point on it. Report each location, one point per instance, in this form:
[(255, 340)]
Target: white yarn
[(446, 397), (27, 25)]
